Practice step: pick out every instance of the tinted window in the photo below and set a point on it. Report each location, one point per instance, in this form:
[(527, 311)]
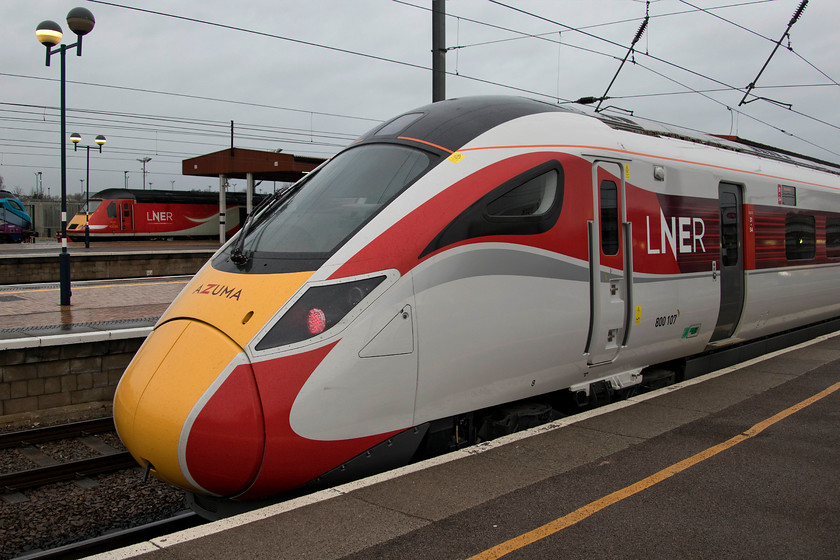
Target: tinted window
[(398, 124), (336, 200), (528, 204), (832, 237), (112, 210), (609, 217), (531, 198), (800, 237), (93, 205), (728, 229)]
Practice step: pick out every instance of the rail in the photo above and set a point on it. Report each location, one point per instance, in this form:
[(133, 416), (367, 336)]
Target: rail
[(48, 474), (53, 433)]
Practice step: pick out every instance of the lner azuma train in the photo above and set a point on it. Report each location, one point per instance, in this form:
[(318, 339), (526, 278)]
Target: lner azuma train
[(136, 214), (467, 254)]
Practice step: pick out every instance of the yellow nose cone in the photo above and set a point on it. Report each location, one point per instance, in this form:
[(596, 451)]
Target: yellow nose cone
[(164, 389)]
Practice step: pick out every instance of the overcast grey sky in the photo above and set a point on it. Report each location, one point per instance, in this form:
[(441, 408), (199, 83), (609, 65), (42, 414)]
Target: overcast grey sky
[(167, 87)]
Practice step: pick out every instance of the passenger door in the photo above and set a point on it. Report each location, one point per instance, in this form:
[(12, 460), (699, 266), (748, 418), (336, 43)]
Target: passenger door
[(126, 217), (731, 260), (610, 264)]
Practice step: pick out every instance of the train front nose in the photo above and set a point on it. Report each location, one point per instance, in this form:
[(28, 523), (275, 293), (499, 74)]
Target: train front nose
[(188, 405)]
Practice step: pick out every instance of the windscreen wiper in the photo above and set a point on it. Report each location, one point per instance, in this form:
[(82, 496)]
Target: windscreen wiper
[(237, 254)]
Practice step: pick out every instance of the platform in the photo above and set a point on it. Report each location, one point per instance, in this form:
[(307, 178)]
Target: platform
[(31, 312), (739, 463), (53, 357)]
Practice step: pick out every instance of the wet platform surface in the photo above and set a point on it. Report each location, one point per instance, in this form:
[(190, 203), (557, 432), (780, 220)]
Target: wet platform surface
[(34, 310), (742, 463)]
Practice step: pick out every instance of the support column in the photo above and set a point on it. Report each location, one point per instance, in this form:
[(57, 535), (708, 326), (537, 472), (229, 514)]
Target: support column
[(438, 50), (249, 193), (222, 209)]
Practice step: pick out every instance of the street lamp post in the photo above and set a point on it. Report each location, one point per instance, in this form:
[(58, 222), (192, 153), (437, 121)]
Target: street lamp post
[(81, 22), (100, 141), (144, 161)]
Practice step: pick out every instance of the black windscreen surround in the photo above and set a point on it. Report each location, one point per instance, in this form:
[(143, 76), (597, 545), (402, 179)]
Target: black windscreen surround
[(528, 204), (454, 122), (301, 234)]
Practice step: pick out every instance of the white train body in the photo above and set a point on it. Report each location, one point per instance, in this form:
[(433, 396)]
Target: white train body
[(524, 250)]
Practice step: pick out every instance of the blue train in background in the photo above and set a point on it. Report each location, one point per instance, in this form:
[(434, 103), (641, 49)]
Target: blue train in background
[(15, 222)]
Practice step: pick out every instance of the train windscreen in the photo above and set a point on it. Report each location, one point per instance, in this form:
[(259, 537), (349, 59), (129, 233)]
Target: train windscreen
[(336, 200), (93, 204)]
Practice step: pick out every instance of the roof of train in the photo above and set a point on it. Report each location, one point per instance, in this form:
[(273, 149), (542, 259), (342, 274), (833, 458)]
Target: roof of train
[(454, 122), (170, 197)]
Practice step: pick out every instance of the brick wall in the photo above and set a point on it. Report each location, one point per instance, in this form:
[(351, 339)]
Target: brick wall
[(33, 379)]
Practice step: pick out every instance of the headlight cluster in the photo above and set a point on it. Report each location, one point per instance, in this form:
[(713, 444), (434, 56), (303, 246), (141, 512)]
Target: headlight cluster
[(319, 309)]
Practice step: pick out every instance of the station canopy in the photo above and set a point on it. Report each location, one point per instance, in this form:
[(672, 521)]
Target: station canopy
[(237, 163)]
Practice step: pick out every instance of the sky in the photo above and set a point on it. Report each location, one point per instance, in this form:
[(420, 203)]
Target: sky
[(163, 79)]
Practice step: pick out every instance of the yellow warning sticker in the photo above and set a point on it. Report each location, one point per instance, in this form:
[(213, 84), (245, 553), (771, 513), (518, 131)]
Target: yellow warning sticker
[(638, 314), (627, 171), (456, 157)]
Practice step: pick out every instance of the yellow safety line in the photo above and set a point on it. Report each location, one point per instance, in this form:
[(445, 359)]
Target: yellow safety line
[(98, 287), (582, 513)]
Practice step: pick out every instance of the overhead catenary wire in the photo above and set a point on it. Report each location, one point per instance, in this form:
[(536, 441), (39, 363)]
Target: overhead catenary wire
[(310, 44), (714, 80), (461, 75), (169, 128)]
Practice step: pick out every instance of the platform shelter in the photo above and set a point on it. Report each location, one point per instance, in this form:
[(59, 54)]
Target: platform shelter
[(251, 165)]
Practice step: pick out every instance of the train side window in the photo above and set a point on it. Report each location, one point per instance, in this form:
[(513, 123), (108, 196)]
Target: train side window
[(800, 237), (112, 210), (531, 198), (609, 217), (528, 204), (832, 237)]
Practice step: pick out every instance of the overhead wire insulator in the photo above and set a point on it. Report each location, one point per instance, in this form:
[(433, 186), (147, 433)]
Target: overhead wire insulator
[(642, 28), (798, 12)]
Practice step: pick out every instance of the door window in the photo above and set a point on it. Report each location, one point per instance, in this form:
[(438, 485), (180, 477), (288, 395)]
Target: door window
[(609, 217), (728, 229)]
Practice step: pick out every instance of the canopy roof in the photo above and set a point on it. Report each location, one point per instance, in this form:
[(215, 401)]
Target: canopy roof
[(236, 163)]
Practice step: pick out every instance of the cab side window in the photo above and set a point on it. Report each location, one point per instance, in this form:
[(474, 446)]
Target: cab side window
[(528, 204), (532, 198)]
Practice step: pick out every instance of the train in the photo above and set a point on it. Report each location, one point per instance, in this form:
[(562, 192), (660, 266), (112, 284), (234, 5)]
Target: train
[(462, 268), (15, 222), (115, 214)]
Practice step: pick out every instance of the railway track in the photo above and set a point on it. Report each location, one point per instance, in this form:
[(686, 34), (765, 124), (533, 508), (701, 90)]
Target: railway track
[(116, 539), (49, 470)]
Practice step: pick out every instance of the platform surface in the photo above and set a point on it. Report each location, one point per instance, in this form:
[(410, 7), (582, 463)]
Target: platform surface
[(742, 463), (34, 310)]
